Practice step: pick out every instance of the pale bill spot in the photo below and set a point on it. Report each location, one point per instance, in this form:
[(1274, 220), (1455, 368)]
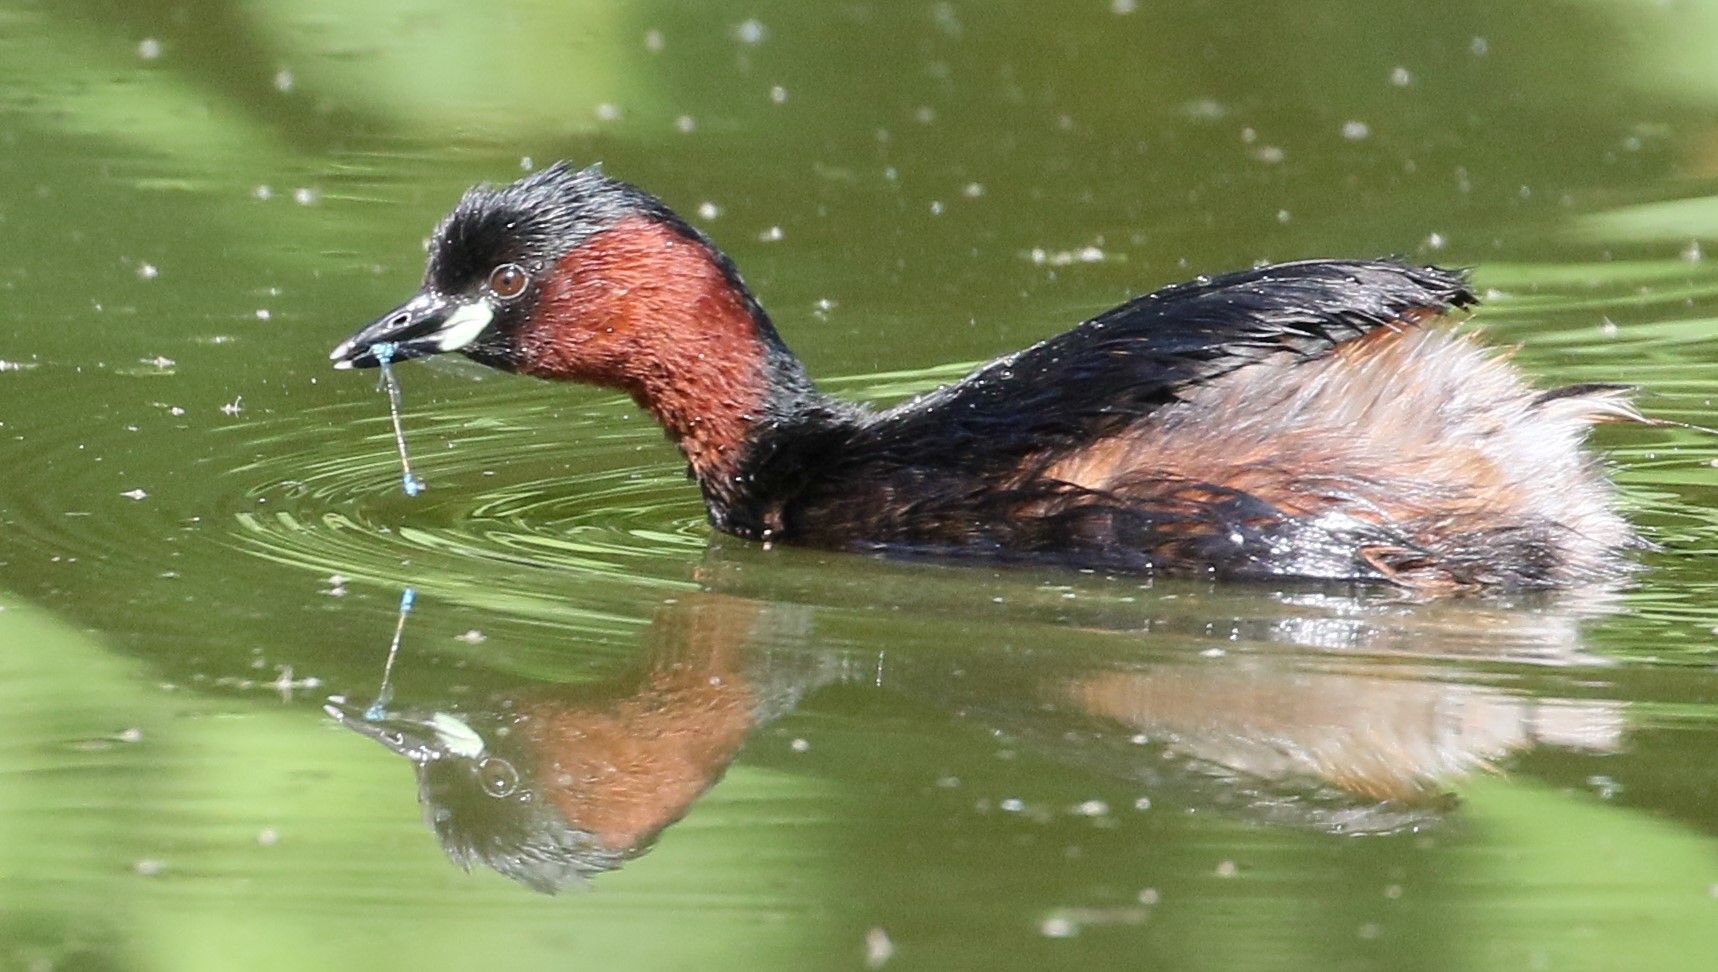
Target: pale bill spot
[(464, 326)]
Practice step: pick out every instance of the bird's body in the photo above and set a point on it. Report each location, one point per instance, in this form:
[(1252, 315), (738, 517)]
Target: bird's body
[(1318, 419)]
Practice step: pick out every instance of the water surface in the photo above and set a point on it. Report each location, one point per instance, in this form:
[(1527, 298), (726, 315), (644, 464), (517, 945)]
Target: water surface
[(202, 535)]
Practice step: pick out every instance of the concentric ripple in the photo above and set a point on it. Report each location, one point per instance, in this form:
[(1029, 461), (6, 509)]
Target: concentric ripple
[(521, 497)]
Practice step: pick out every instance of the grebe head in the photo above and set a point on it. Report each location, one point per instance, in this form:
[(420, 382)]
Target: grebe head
[(561, 274), (569, 274)]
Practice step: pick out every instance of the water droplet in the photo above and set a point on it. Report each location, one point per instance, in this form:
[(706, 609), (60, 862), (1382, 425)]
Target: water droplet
[(751, 32), (1057, 926)]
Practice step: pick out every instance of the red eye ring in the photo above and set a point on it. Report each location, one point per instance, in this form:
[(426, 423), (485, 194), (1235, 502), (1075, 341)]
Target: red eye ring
[(508, 281)]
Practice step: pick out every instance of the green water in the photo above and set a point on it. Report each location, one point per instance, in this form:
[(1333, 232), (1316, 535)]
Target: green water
[(202, 534)]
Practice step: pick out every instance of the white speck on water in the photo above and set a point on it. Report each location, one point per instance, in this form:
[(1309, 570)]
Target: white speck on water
[(1479, 46), (1608, 328), (263, 192), (1149, 896), (973, 190), (778, 94), (147, 271), (148, 867), (175, 410), (1063, 258), (1400, 77), (131, 735), (149, 48), (526, 163), (751, 32), (283, 81), (947, 19), (305, 196), (1283, 216), (1092, 808), (1435, 241), (1393, 891), (925, 114), (686, 124), (878, 948), (1604, 786), (1057, 926), (800, 745), (234, 407), (607, 111), (771, 235), (472, 637), (1270, 154), (1122, 8), (1212, 653), (1369, 931), (1142, 804), (1227, 869), (1012, 805), (1204, 109), (268, 837), (936, 207), (263, 314), (135, 494), (653, 41), (1356, 131), (158, 361), (1692, 252), (709, 210)]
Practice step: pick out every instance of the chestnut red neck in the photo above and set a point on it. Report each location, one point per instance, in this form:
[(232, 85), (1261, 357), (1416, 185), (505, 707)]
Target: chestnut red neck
[(648, 307)]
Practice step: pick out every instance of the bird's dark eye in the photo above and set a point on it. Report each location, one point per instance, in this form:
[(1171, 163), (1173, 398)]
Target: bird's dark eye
[(497, 776), (508, 281)]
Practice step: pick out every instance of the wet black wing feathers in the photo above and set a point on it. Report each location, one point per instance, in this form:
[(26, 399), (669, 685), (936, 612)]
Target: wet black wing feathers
[(1109, 371)]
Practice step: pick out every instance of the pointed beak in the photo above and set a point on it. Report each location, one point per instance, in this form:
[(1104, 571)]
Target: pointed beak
[(430, 323), (415, 740)]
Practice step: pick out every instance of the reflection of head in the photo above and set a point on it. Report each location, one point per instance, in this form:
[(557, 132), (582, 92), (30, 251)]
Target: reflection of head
[(554, 783), (485, 807)]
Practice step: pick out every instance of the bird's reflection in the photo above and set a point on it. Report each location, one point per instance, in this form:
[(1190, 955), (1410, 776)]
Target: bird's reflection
[(551, 784)]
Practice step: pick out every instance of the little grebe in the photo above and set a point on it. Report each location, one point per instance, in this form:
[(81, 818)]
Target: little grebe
[(1310, 419)]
